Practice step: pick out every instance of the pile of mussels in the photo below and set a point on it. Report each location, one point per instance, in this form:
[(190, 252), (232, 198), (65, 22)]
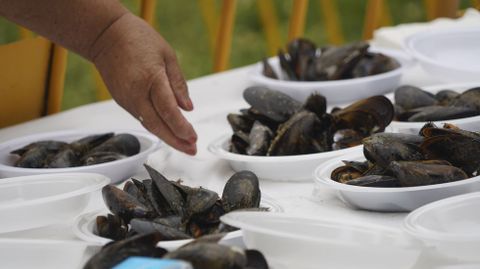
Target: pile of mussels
[(173, 210), (305, 62), (93, 149), (436, 155), (203, 253), (414, 105), (277, 124)]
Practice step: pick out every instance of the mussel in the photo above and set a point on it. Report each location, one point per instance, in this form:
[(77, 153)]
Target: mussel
[(202, 253), (172, 210), (114, 253), (89, 150), (415, 105), (411, 174), (303, 61), (277, 125), (435, 156)]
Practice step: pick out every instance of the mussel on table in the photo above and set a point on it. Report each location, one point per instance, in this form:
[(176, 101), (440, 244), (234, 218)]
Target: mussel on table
[(202, 253), (383, 148), (367, 116), (455, 146), (93, 149), (171, 209), (273, 105), (375, 181), (435, 156), (36, 155), (303, 61), (416, 105), (268, 70), (139, 245), (424, 173), (280, 125), (111, 226)]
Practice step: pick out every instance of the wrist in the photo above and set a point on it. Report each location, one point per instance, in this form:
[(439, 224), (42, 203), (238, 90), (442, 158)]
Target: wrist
[(109, 36)]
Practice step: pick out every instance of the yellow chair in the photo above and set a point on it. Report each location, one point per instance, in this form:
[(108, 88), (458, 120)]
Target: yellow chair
[(377, 14), (223, 43), (31, 80), (269, 22), (219, 45)]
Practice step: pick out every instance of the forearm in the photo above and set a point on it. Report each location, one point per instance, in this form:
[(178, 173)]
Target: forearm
[(75, 24)]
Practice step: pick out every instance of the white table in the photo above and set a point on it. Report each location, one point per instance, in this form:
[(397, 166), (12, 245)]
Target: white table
[(213, 96)]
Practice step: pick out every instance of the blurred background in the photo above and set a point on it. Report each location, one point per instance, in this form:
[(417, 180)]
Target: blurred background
[(186, 28)]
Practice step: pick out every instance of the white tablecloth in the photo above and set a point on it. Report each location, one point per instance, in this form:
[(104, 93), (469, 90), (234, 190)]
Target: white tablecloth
[(213, 96)]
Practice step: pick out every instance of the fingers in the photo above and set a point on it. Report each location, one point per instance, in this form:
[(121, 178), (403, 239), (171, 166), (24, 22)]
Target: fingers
[(177, 82), (153, 123), (165, 105)]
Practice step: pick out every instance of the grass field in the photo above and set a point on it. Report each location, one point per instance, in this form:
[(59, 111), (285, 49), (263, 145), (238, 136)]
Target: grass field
[(181, 24)]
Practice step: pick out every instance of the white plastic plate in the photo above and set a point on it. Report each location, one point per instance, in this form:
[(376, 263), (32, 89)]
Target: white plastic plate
[(36, 201), (116, 170), (84, 227), (289, 241), (451, 55), (336, 91), (389, 199), (451, 225), (469, 123), (282, 168)]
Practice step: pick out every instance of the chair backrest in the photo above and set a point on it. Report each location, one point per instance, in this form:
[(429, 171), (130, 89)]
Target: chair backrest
[(220, 26), (31, 80)]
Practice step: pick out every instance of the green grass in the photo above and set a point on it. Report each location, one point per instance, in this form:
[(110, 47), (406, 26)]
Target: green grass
[(182, 26)]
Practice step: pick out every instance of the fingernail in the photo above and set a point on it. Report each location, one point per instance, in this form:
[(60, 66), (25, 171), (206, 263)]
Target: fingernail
[(188, 103), (192, 150)]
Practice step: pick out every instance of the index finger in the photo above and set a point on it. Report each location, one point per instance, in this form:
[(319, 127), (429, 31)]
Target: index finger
[(152, 122)]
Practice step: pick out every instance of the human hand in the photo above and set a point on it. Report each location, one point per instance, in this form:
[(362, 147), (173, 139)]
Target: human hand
[(142, 74)]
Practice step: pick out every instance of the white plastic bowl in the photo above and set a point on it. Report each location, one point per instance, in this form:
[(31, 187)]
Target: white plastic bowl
[(84, 227), (116, 170), (389, 199), (310, 243), (451, 225), (282, 168), (44, 254), (468, 123), (336, 91), (36, 201), (451, 55)]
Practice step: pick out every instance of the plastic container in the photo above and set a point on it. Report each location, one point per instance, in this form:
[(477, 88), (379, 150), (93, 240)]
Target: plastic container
[(389, 199), (451, 55), (289, 241), (468, 123), (116, 170), (84, 227), (336, 91), (36, 201), (282, 168), (451, 225), (44, 254)]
